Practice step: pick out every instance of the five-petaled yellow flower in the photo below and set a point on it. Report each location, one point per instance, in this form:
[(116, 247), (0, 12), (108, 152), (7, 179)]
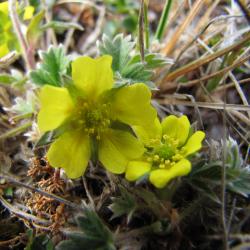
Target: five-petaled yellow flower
[(168, 145), (91, 114)]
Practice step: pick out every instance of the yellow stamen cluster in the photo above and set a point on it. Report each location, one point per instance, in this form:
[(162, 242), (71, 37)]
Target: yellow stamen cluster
[(92, 118), (166, 154)]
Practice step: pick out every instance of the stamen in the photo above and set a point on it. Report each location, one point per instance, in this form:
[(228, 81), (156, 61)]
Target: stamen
[(156, 157)]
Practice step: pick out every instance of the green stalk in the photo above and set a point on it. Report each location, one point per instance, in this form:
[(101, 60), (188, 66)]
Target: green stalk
[(146, 28), (163, 21), (141, 31)]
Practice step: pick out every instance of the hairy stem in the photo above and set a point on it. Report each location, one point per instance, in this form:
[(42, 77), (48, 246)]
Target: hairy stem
[(26, 51)]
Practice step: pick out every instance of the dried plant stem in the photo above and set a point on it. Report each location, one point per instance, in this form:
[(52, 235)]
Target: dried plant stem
[(172, 100), (9, 242), (8, 59), (70, 32), (192, 13), (88, 193), (84, 46), (222, 71), (199, 62), (244, 8), (241, 237), (232, 77), (27, 53), (223, 178), (189, 44), (44, 193), (220, 88), (22, 214), (51, 36)]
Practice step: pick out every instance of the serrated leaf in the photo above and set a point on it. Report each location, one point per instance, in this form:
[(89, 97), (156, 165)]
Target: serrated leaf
[(123, 205), (237, 175), (52, 68), (152, 60), (129, 69), (94, 235), (119, 48)]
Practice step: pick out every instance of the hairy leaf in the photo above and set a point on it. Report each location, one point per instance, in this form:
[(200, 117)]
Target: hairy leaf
[(237, 175), (52, 68), (123, 205), (94, 235), (130, 69)]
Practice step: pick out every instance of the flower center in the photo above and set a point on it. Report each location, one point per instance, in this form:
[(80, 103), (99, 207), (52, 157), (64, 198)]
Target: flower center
[(166, 153), (93, 118)]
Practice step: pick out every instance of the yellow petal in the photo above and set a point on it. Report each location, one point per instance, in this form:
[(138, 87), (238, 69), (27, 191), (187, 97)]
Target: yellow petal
[(132, 106), (160, 177), (149, 133), (137, 169), (4, 50), (28, 12), (194, 143), (56, 107), (4, 7), (93, 76), (71, 151), (178, 128), (116, 148)]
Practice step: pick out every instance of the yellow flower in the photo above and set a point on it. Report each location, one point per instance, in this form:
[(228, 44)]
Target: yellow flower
[(8, 40), (91, 113), (168, 144)]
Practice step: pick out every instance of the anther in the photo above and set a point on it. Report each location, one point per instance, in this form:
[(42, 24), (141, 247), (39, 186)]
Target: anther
[(162, 166), (156, 157)]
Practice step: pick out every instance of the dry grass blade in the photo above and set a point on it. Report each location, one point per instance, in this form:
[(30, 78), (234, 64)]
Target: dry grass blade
[(170, 100), (22, 214), (199, 62), (220, 72), (42, 192), (192, 13)]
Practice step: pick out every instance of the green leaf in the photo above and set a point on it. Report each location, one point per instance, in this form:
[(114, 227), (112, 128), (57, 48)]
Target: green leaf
[(40, 242), (62, 26), (94, 235), (119, 48), (6, 79), (34, 30), (129, 69), (52, 68), (123, 205), (237, 175)]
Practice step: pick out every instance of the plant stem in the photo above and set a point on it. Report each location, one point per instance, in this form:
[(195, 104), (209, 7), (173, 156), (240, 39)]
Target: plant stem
[(146, 28), (42, 192), (206, 59), (223, 180), (163, 21), (27, 53), (141, 31)]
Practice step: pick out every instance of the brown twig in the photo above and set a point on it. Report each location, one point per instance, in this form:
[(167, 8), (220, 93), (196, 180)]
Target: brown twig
[(44, 193)]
